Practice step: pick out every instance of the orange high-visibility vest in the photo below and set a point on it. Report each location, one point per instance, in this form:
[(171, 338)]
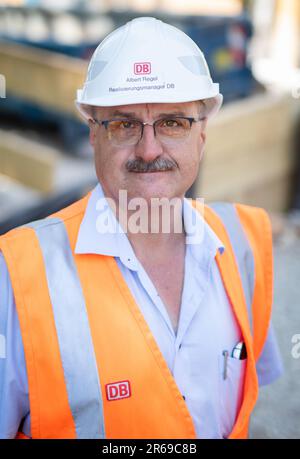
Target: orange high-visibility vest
[(86, 340)]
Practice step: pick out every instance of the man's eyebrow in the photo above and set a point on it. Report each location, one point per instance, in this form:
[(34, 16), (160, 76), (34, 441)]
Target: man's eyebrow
[(174, 113), (160, 115), (124, 114)]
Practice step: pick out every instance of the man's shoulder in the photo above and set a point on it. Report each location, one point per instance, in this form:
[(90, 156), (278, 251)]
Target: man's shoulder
[(257, 218), (244, 211), (252, 220), (73, 212), (234, 204)]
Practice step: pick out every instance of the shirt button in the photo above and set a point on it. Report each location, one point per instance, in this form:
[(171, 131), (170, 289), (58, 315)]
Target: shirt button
[(180, 345), (183, 397)]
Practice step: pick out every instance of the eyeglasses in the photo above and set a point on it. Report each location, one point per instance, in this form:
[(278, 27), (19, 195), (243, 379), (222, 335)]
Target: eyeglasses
[(125, 132)]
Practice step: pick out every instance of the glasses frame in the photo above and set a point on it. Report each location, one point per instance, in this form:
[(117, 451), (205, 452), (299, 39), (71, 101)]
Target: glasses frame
[(105, 123)]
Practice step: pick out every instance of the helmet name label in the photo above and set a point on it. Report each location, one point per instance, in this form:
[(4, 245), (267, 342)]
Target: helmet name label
[(139, 79), (155, 87)]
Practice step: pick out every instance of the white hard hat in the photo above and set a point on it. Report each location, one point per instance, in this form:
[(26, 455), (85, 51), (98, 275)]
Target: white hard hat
[(148, 61)]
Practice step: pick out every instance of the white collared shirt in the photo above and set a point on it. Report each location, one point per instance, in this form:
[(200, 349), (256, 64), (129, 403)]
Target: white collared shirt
[(206, 327)]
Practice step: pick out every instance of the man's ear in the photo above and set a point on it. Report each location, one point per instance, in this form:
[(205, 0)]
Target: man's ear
[(92, 126), (203, 138), (204, 125)]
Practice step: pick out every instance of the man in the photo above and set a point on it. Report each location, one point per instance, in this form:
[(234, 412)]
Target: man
[(128, 330)]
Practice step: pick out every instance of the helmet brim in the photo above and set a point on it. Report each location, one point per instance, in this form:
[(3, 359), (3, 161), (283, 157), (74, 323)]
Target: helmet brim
[(212, 104)]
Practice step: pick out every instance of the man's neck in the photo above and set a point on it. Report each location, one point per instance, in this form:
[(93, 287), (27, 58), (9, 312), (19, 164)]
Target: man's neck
[(154, 227), (155, 231), (158, 247)]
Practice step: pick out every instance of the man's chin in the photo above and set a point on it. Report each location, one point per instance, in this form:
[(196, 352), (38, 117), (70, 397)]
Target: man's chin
[(154, 193)]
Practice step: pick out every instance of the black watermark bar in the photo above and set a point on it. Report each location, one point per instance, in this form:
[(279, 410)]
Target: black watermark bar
[(136, 448)]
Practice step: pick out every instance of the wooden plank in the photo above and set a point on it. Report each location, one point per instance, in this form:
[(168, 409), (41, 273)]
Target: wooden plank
[(273, 195), (252, 122), (245, 172), (30, 163), (46, 78), (248, 149)]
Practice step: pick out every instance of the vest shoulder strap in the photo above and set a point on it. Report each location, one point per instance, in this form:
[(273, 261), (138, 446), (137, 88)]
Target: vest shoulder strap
[(250, 235), (241, 248)]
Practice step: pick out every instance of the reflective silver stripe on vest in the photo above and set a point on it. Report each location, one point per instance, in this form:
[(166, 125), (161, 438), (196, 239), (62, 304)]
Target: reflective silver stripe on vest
[(72, 326), (242, 250)]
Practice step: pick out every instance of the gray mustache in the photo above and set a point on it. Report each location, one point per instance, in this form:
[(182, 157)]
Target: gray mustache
[(158, 165)]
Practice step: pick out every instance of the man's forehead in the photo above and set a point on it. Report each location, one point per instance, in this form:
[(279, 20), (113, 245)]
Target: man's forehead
[(153, 109)]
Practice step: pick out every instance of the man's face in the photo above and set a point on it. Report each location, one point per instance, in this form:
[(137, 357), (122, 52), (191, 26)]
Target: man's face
[(174, 166)]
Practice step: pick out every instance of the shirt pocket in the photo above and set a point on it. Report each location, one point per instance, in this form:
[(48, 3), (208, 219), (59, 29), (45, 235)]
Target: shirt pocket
[(231, 392)]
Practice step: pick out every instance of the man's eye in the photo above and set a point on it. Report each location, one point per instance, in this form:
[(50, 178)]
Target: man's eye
[(171, 123), (127, 124)]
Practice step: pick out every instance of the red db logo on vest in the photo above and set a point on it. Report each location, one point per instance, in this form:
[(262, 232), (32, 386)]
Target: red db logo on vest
[(142, 68), (118, 390)]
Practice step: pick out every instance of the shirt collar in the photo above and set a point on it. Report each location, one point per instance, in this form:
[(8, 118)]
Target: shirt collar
[(100, 232), (199, 235)]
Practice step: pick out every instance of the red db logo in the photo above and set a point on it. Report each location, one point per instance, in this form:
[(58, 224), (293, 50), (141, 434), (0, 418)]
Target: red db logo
[(118, 390), (142, 68)]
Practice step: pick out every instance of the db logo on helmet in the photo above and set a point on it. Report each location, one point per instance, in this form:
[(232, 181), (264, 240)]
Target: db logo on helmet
[(142, 68)]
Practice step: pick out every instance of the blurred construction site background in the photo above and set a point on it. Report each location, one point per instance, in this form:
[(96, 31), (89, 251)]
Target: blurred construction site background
[(252, 48)]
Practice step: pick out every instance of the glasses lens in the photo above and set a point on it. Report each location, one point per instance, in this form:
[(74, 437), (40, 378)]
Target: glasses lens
[(173, 128), (124, 132)]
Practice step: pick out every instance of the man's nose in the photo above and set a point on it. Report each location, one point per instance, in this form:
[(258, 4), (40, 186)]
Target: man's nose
[(149, 147)]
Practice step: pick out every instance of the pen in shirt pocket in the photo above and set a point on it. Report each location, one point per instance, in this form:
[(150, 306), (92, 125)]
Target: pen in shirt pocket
[(239, 352)]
